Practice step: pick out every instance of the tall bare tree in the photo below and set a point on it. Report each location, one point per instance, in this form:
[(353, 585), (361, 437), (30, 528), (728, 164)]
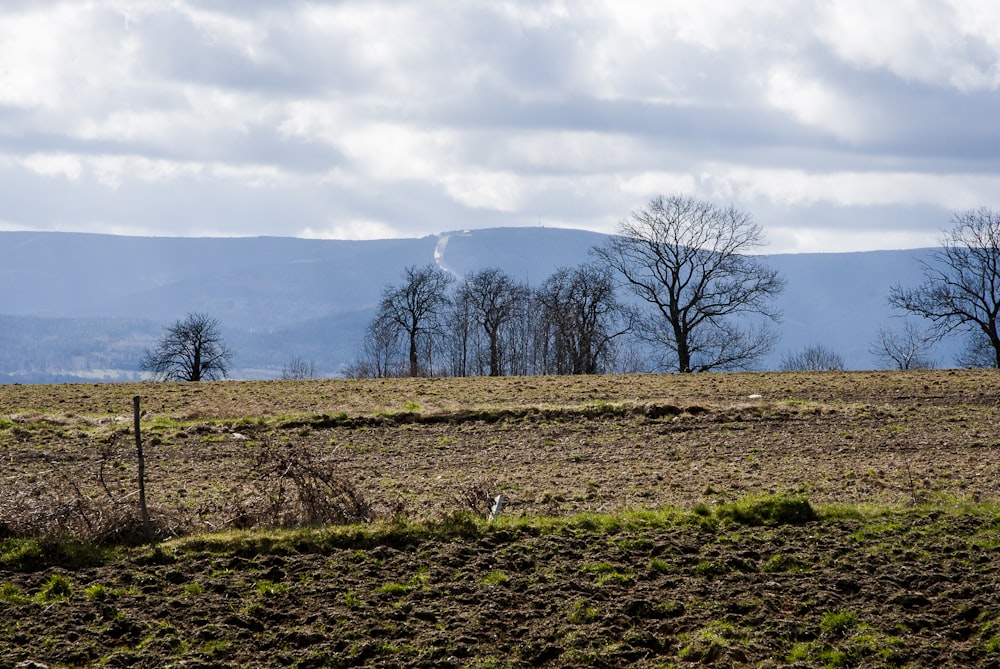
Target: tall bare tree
[(381, 350), (581, 316), (191, 349), (495, 300), (688, 259), (416, 308), (460, 340), (961, 287)]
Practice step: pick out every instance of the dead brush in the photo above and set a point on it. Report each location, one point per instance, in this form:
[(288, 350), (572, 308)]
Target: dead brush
[(289, 486), (476, 499), (90, 501)]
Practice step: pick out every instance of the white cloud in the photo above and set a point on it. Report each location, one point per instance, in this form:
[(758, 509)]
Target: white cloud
[(855, 188), (396, 151), (817, 103), (55, 164), (939, 42), (650, 184), (31, 60), (355, 230), (499, 191), (112, 171), (815, 239), (381, 118)]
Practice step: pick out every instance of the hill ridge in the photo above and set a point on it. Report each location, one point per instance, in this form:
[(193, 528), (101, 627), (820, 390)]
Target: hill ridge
[(103, 298)]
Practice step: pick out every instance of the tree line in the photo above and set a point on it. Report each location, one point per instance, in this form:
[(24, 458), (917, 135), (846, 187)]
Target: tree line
[(684, 258), (490, 324), (701, 302)]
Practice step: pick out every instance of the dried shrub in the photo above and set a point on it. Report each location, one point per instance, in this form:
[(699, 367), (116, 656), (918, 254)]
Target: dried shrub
[(95, 500), (57, 504), (475, 498), (290, 486)]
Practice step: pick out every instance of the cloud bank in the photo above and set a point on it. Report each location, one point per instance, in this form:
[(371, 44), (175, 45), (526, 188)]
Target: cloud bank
[(839, 124)]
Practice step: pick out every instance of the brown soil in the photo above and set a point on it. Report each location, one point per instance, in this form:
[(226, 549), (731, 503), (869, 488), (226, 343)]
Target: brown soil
[(912, 580)]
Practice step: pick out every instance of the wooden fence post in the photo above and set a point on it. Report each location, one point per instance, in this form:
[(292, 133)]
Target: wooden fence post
[(147, 528)]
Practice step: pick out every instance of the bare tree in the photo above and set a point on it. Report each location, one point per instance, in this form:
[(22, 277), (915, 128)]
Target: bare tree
[(415, 308), (903, 349), (461, 335), (961, 287), (381, 349), (298, 369), (495, 301), (191, 350), (687, 259), (813, 358), (581, 316)]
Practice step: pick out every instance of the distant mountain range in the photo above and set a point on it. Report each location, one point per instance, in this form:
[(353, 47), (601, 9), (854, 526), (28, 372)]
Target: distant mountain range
[(80, 307)]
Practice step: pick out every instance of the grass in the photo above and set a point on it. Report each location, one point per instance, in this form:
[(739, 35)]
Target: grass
[(581, 612), (56, 588), (97, 592), (708, 643), (266, 588), (12, 594), (26, 554), (767, 510), (838, 623), (496, 578)]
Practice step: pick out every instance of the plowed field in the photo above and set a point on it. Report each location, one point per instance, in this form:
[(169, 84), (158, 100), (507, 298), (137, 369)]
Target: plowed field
[(616, 544)]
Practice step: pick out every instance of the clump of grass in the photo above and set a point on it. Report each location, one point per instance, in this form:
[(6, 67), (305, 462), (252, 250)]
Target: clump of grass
[(394, 589), (56, 588), (12, 594), (266, 588), (783, 563), (581, 611), (660, 565), (193, 589), (97, 592), (607, 573), (496, 578), (768, 510), (838, 623), (707, 644)]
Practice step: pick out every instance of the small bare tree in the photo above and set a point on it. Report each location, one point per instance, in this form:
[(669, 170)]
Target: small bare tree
[(192, 349), (903, 349), (298, 369), (813, 358), (381, 349), (977, 352)]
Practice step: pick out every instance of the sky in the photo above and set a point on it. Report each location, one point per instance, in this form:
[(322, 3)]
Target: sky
[(839, 125)]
